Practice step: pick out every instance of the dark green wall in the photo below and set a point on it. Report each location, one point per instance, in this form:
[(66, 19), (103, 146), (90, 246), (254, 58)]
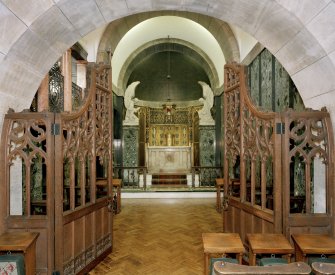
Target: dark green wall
[(271, 87), (218, 115), (117, 129)]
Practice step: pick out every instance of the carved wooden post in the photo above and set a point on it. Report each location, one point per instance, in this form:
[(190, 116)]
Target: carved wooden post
[(43, 95), (67, 73)]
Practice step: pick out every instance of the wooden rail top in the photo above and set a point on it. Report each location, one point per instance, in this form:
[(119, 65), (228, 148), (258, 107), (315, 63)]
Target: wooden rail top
[(323, 268), (222, 268), (101, 181), (219, 182), (116, 182)]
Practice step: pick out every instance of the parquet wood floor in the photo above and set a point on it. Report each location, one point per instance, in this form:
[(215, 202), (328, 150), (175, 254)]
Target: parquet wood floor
[(160, 236)]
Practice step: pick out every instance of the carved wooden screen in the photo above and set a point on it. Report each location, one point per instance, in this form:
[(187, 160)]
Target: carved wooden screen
[(84, 173), (57, 171), (27, 180), (252, 179), (308, 172), (278, 166)]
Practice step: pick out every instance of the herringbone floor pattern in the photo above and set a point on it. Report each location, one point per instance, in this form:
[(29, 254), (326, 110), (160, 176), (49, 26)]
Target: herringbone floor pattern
[(160, 236)]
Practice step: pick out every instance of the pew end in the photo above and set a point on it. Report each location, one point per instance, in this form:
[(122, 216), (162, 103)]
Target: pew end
[(323, 268), (297, 268)]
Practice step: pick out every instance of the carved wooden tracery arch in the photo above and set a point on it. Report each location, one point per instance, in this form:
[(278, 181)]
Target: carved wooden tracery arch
[(61, 152), (259, 150)]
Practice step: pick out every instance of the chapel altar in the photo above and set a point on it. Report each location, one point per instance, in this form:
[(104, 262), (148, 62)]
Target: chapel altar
[(168, 150), (165, 139), (169, 159)]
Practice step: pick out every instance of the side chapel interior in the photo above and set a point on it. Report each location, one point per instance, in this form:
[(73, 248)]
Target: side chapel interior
[(59, 157)]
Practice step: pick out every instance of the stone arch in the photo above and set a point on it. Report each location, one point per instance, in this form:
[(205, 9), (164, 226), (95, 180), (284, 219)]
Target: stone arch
[(177, 45), (219, 29), (301, 36)]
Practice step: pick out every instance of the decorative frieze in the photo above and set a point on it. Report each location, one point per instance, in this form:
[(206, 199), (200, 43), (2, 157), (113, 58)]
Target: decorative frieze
[(79, 262), (69, 268), (89, 254)]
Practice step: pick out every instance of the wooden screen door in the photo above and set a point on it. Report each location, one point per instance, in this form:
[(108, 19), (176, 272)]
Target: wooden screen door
[(57, 179), (83, 181)]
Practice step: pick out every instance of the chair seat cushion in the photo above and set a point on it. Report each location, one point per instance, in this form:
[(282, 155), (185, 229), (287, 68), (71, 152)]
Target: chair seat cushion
[(320, 260), (272, 261), (12, 264)]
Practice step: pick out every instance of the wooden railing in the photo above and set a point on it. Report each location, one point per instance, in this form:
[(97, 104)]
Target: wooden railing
[(226, 268), (133, 177)]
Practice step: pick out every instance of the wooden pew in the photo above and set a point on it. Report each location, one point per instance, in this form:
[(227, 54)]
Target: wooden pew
[(323, 268), (225, 268)]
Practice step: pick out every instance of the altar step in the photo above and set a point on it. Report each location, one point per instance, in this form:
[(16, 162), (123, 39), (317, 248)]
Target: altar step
[(169, 179), (169, 193)]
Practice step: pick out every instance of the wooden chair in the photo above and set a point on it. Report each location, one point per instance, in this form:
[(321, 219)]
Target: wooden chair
[(323, 268), (117, 183), (297, 268), (272, 261), (219, 188), (12, 264)]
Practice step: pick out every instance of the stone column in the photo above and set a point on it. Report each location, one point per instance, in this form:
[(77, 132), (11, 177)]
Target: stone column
[(81, 73), (319, 186), (15, 188)]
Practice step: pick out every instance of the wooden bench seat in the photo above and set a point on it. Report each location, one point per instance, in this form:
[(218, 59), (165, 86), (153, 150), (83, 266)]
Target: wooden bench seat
[(323, 268), (225, 268)]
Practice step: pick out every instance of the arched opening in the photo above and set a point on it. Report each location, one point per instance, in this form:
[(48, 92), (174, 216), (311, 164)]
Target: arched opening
[(54, 28)]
